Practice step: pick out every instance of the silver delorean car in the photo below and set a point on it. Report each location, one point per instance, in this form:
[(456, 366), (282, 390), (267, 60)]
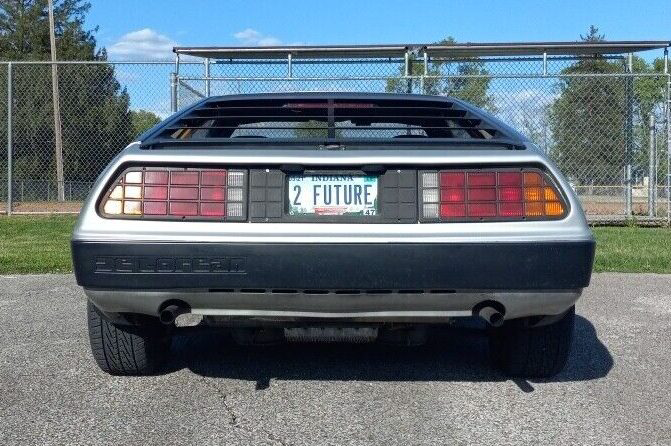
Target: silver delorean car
[(333, 217)]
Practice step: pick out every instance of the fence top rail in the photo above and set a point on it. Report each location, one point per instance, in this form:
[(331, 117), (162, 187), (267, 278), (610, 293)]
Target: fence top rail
[(425, 77), (312, 61), (432, 50), (94, 62)]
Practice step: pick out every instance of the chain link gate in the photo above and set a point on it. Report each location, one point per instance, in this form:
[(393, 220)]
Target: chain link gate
[(603, 123)]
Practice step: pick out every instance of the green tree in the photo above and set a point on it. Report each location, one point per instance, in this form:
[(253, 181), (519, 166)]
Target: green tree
[(96, 122), (594, 119), (24, 30), (589, 118), (473, 88), (649, 96), (143, 120)]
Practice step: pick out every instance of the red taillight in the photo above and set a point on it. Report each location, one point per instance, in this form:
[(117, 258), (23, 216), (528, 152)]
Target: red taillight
[(156, 177), (481, 194), (452, 210), (489, 194), (510, 194), (155, 208), (511, 209), (174, 193), (482, 209), (213, 194), (452, 194), (183, 209), (213, 178), (184, 178), (156, 192), (452, 179), (213, 209), (481, 179)]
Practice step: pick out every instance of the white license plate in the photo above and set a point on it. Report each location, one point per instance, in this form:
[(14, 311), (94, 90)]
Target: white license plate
[(321, 194)]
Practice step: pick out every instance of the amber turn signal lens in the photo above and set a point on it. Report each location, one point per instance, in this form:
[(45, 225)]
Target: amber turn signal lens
[(553, 208), (533, 209), (550, 194), (532, 179), (533, 194)]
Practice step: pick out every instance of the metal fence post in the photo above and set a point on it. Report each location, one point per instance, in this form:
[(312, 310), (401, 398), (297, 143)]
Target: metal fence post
[(425, 63), (668, 153), (207, 77), (629, 134), (173, 92), (408, 71), (668, 140), (652, 169), (9, 138)]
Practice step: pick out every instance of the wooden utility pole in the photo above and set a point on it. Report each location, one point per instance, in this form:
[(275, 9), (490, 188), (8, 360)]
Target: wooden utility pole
[(58, 137)]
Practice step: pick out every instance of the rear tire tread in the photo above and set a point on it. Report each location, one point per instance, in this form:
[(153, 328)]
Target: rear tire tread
[(125, 349), (536, 352)]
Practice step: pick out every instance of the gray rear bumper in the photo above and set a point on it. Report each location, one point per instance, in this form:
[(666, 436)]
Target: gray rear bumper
[(552, 265)]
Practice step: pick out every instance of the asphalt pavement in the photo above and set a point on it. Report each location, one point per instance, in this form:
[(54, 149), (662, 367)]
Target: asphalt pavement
[(616, 388)]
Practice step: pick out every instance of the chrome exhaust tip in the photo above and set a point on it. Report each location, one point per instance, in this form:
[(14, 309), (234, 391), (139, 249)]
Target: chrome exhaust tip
[(168, 315), (491, 315)]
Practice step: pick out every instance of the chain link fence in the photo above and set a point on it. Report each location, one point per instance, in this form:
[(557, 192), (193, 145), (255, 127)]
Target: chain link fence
[(605, 126)]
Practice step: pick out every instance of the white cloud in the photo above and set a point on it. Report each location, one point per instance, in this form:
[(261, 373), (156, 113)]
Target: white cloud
[(143, 44), (252, 37)]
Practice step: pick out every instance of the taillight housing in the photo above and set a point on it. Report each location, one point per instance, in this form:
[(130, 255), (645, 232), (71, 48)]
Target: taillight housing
[(501, 194), (173, 193)]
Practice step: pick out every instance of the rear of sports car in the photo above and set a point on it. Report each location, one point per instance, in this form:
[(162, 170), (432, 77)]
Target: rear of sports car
[(332, 216)]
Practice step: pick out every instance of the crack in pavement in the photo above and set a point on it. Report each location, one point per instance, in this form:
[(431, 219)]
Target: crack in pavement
[(224, 400), (233, 417)]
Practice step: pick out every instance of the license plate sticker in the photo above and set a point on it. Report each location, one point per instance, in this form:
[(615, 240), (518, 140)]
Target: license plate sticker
[(319, 194)]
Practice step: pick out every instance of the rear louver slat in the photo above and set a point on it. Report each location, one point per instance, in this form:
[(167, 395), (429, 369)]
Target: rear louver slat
[(304, 118)]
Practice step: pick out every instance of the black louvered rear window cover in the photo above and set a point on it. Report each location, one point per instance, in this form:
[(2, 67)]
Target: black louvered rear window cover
[(329, 118)]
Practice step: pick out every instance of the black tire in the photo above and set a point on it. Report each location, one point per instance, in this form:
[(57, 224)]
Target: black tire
[(532, 352), (126, 349)]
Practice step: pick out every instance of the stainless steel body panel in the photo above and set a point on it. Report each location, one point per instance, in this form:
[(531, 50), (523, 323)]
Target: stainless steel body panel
[(93, 227)]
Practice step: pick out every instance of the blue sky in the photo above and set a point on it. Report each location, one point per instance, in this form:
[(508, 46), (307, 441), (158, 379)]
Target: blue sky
[(148, 29), (143, 29)]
